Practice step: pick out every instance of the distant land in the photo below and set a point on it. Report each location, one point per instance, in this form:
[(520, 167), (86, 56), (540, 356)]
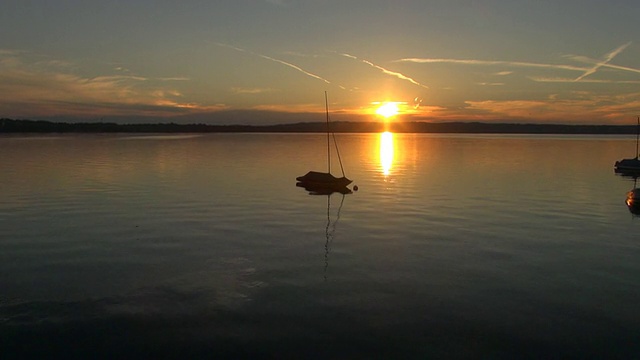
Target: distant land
[(41, 126)]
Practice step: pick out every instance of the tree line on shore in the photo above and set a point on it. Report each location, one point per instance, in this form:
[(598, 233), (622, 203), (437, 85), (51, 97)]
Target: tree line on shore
[(41, 126)]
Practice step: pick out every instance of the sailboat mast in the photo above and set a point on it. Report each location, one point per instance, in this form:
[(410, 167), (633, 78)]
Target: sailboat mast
[(326, 105), (637, 136)]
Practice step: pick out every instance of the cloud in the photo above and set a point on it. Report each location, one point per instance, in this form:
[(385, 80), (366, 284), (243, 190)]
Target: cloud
[(386, 71), (302, 55), (6, 52), (42, 89), (574, 107), (239, 90), (175, 78), (293, 108)]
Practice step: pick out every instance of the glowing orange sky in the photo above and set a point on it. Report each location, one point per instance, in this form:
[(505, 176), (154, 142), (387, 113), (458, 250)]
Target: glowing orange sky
[(515, 61)]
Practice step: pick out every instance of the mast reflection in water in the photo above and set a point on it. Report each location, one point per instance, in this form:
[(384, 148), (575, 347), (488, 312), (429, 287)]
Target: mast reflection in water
[(330, 231)]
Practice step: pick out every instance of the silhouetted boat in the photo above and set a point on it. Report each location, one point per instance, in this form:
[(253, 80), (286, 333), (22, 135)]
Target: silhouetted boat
[(630, 166), (322, 189), (322, 182), (314, 178)]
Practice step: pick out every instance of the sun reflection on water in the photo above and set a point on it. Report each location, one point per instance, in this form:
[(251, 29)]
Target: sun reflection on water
[(386, 152)]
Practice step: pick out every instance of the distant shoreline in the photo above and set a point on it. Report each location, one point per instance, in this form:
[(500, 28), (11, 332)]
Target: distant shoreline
[(8, 126)]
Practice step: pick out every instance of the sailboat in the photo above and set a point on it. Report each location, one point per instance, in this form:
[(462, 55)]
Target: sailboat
[(630, 166), (317, 181)]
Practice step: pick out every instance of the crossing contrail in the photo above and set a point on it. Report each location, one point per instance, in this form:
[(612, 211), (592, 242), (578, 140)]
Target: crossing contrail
[(586, 71), (608, 57)]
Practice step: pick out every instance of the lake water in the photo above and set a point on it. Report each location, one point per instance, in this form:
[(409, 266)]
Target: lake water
[(455, 246)]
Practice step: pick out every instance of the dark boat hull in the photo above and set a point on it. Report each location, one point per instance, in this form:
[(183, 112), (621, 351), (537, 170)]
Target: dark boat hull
[(627, 166), (322, 180)]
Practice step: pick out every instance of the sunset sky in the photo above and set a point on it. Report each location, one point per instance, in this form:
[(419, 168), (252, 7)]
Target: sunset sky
[(270, 61)]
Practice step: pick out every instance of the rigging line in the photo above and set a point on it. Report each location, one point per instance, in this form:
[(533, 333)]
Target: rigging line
[(338, 152), (637, 136), (335, 143), (326, 105)]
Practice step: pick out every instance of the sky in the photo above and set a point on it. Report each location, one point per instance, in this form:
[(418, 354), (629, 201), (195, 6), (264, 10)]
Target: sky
[(271, 61)]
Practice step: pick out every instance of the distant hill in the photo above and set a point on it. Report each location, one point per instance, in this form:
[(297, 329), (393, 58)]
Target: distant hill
[(40, 126)]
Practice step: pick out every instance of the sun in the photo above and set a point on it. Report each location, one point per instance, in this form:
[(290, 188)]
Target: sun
[(388, 109)]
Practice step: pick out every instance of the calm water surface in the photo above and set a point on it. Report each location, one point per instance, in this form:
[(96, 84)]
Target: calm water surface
[(455, 246)]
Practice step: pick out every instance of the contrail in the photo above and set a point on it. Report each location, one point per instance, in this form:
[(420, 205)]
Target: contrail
[(607, 65), (611, 66), (568, 80), (492, 62), (606, 60), (278, 61), (621, 68), (295, 67), (586, 70), (388, 72)]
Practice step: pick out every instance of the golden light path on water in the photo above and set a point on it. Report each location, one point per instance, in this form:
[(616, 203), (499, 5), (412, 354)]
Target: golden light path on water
[(386, 152)]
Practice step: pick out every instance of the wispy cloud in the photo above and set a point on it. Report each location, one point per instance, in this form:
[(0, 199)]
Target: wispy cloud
[(5, 52), (302, 55), (386, 71), (239, 90), (43, 89), (175, 78), (571, 107)]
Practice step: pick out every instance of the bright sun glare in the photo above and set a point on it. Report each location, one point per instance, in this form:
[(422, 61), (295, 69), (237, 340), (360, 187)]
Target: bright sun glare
[(388, 109)]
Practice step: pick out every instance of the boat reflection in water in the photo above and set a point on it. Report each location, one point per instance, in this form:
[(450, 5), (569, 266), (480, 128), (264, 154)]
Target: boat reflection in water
[(627, 172), (330, 228), (330, 231), (633, 199), (321, 189)]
